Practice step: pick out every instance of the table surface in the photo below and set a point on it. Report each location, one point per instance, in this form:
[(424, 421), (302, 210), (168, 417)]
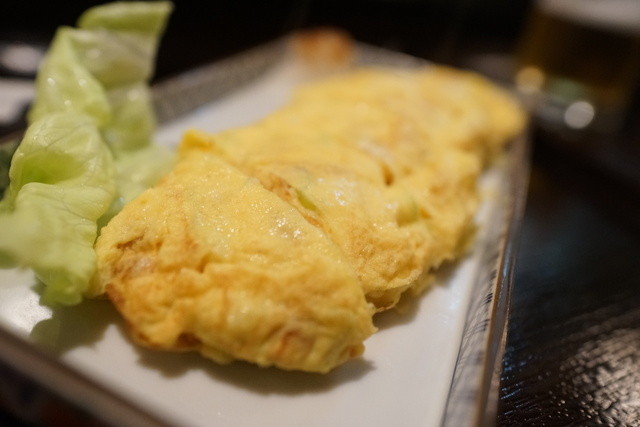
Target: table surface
[(573, 343)]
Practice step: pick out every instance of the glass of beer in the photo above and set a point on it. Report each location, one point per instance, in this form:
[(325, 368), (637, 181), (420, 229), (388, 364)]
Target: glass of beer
[(578, 64)]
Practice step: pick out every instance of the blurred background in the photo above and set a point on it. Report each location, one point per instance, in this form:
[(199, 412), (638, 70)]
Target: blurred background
[(573, 343), (436, 29)]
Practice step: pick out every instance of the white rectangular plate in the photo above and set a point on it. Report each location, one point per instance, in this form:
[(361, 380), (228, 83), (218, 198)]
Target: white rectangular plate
[(406, 376)]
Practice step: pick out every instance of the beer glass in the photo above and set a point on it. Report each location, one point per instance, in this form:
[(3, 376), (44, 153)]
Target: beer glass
[(578, 64)]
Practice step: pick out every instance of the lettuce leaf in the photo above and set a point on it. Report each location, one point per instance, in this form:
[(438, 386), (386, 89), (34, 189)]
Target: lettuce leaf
[(87, 149), (62, 181)]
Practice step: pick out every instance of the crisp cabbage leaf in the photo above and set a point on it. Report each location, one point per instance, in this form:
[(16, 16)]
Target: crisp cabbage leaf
[(87, 149), (62, 181)]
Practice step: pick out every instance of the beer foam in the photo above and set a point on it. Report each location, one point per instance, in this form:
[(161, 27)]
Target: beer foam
[(612, 15)]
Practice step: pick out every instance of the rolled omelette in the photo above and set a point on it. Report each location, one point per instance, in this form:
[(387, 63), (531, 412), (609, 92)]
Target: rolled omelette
[(276, 243)]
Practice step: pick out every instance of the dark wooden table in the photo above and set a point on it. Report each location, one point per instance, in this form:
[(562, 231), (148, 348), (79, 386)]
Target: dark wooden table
[(573, 346)]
